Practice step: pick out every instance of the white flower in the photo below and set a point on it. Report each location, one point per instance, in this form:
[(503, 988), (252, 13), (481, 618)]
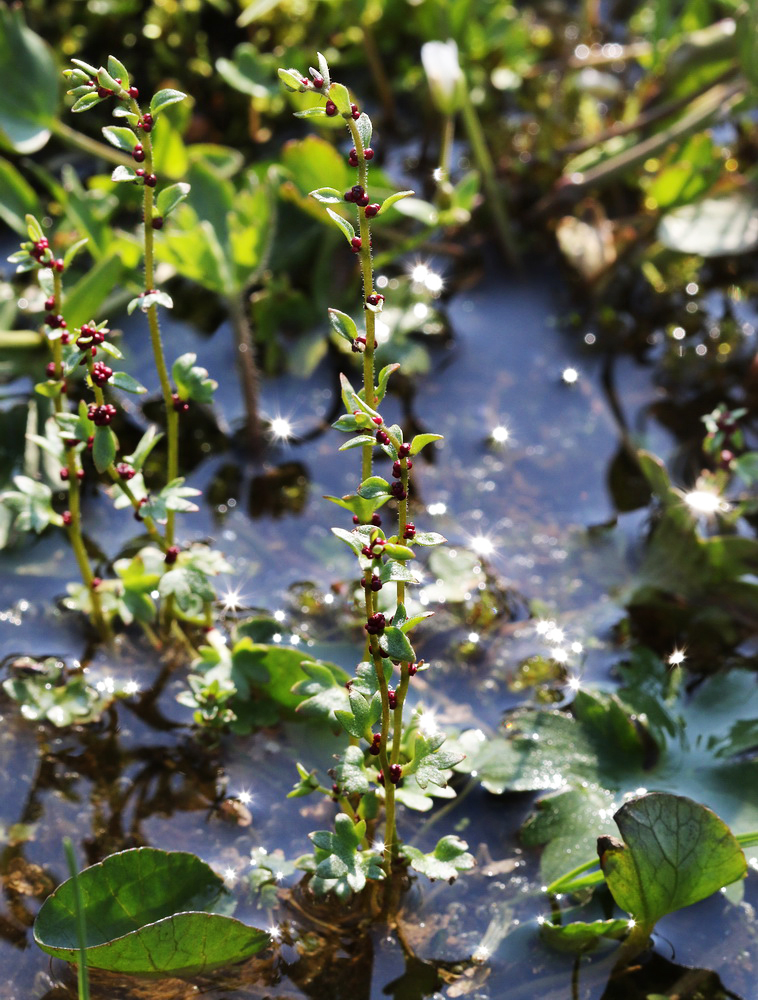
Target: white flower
[(444, 73)]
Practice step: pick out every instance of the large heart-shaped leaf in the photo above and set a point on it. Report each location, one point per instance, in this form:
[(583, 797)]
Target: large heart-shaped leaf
[(675, 853), (147, 912)]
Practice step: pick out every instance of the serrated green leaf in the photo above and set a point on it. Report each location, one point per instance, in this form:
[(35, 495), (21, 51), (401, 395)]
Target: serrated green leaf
[(192, 381), (446, 861), (429, 762), (350, 774)]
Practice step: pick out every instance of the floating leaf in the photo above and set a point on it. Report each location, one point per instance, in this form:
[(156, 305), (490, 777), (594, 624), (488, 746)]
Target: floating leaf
[(675, 853), (580, 936), (446, 861), (147, 912)]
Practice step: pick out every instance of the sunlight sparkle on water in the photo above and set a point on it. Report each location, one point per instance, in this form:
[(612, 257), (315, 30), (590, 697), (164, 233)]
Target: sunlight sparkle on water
[(131, 687), (473, 637), (631, 923), (435, 509), (280, 428), (704, 501), (230, 876), (279, 615), (500, 434), (245, 797), (676, 658), (574, 683), (482, 545), (379, 846), (560, 655), (231, 599), (274, 932), (570, 376), (481, 954), (543, 626), (555, 635)]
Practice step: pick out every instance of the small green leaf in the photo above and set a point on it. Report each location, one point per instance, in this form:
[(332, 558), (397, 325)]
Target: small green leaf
[(123, 173), (323, 68), (291, 79), (399, 552), (308, 783), (348, 537), (358, 442), (374, 487), (363, 124), (311, 113), (446, 861), (120, 137), (389, 202), (342, 224), (147, 442), (422, 440), (163, 99), (192, 381), (394, 644), (429, 762), (73, 250), (86, 102), (118, 71), (429, 538), (384, 376), (675, 853), (104, 448), (350, 773), (146, 912), (340, 95), (170, 197), (340, 866), (579, 937), (106, 80), (123, 381), (343, 324)]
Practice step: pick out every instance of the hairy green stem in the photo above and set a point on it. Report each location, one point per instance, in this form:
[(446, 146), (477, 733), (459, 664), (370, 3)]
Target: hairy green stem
[(172, 417), (248, 368)]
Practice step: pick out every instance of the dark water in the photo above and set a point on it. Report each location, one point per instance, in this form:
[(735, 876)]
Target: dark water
[(525, 506)]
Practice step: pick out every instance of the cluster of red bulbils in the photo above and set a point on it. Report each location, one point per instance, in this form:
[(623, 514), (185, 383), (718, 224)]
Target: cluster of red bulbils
[(40, 251)]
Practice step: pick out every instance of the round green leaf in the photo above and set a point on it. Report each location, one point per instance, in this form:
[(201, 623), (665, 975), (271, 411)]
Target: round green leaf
[(675, 852), (147, 912)]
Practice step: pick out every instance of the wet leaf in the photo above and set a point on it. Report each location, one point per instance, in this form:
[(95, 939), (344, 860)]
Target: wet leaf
[(580, 936), (350, 774), (429, 762), (147, 912), (340, 866), (446, 861), (675, 853)]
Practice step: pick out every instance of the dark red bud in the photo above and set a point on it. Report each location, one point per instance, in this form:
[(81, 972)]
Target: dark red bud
[(331, 108)]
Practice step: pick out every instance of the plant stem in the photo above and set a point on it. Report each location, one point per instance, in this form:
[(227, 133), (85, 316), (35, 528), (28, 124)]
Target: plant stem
[(172, 417), (444, 187), (248, 369), (88, 145), (561, 884), (487, 168), (74, 529), (81, 926)]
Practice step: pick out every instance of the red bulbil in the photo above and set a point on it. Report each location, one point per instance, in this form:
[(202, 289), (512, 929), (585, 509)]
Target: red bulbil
[(331, 108), (180, 405), (100, 372), (404, 451), (355, 113), (50, 303), (382, 437), (392, 697), (396, 773), (376, 520), (157, 222), (172, 554), (133, 93), (410, 531), (64, 475), (102, 415), (398, 492), (67, 518), (138, 153), (151, 180), (376, 624), (368, 153), (125, 471), (372, 210), (359, 345), (356, 243)]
